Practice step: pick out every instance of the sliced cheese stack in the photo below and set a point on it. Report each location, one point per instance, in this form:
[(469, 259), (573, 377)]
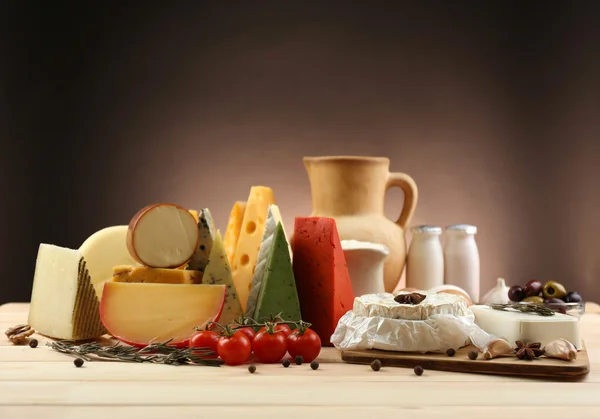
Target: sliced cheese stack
[(234, 226), (248, 245), (63, 301), (321, 274), (273, 288)]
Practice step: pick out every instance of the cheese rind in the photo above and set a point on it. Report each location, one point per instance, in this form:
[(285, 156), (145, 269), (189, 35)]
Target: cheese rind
[(144, 274), (384, 305), (218, 272), (104, 250), (278, 294), (234, 226), (206, 236), (63, 301), (248, 245), (513, 326), (322, 279)]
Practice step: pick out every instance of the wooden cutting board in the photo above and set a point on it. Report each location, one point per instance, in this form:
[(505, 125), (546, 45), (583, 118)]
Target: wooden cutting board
[(508, 365)]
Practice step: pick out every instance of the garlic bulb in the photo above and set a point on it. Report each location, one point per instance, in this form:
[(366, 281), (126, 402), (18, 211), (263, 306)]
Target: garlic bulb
[(498, 347), (498, 294), (561, 349)]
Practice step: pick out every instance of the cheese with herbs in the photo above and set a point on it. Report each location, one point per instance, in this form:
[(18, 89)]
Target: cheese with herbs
[(384, 305)]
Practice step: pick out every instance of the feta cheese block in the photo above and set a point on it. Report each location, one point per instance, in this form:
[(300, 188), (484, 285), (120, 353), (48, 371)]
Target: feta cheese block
[(277, 292), (104, 250), (144, 274), (206, 237), (218, 272), (515, 325), (248, 245), (262, 261), (162, 236), (322, 278), (384, 305), (234, 226), (63, 301)]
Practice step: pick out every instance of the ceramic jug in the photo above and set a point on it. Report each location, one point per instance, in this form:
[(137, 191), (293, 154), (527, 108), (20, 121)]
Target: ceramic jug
[(351, 190)]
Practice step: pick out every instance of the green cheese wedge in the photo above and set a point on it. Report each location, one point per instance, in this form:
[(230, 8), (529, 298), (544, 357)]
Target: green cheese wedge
[(278, 287)]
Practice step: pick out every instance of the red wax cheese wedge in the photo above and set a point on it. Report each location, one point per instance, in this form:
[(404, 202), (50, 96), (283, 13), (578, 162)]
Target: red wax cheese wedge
[(321, 274), (162, 236), (138, 313)]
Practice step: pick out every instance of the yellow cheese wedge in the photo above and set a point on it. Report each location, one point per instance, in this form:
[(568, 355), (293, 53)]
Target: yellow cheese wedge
[(248, 245), (194, 214), (155, 275), (236, 217)]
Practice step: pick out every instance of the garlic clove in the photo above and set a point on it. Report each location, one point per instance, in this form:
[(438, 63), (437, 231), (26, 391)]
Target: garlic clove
[(561, 349), (498, 347), (498, 294)]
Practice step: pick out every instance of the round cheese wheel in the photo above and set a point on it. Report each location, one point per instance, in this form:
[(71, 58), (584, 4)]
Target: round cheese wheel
[(453, 289), (162, 236)]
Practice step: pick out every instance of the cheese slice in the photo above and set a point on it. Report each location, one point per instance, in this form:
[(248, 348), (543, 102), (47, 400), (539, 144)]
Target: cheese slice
[(63, 301), (248, 245), (206, 231), (262, 260), (104, 250), (278, 294), (218, 272), (384, 305), (234, 226), (155, 275), (526, 327)]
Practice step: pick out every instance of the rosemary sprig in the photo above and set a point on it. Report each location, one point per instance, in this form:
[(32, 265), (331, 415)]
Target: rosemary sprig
[(156, 353), (538, 309)]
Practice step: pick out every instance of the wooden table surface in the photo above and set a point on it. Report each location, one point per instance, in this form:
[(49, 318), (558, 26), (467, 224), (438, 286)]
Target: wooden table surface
[(41, 383)]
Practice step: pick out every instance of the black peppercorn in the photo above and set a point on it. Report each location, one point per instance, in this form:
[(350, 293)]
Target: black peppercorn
[(376, 365), (299, 360), (286, 363), (252, 369), (314, 365), (450, 352), (78, 362), (418, 370), (473, 355), (33, 343)]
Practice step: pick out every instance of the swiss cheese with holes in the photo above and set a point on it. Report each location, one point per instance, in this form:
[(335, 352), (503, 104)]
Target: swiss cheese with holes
[(248, 244)]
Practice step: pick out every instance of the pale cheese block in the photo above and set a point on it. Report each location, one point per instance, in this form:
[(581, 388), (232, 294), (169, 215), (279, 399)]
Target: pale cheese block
[(143, 274), (206, 236), (246, 251), (234, 226), (218, 272), (527, 327), (63, 301), (384, 305), (104, 250), (273, 218)]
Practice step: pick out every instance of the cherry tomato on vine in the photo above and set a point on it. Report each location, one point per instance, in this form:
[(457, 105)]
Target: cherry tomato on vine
[(205, 339), (235, 349), (305, 343), (283, 329), (248, 331), (269, 347)]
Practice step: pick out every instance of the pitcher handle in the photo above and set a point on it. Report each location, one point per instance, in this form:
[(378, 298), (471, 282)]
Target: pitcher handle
[(411, 195)]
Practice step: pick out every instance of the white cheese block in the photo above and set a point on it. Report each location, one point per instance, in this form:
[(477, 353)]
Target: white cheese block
[(383, 305), (514, 325), (104, 250), (273, 218), (63, 302)]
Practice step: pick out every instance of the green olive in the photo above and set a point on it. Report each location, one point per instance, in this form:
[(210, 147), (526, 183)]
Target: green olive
[(533, 299), (553, 289)]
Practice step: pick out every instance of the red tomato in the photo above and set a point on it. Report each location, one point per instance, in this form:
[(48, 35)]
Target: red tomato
[(307, 345), (234, 350), (248, 331), (269, 348), (283, 329), (205, 339)]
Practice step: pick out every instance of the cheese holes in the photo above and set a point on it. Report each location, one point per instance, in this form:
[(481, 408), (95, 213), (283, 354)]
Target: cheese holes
[(245, 259), (251, 227)]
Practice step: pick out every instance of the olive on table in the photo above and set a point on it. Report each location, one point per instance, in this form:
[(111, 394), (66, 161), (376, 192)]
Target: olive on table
[(532, 288), (553, 289), (554, 301), (516, 293), (573, 297), (535, 299)]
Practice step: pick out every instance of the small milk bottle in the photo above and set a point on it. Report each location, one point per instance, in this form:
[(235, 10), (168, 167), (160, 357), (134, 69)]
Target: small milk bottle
[(425, 261), (461, 259)]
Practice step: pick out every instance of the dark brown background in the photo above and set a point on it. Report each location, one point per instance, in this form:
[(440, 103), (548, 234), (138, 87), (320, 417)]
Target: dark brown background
[(493, 108)]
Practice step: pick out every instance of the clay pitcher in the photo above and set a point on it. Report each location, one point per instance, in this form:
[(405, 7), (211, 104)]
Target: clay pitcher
[(351, 190)]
